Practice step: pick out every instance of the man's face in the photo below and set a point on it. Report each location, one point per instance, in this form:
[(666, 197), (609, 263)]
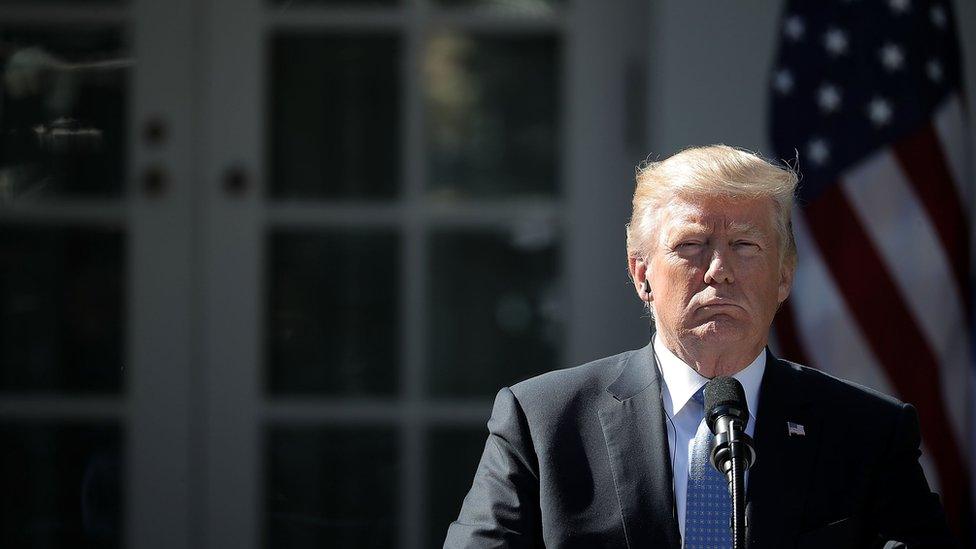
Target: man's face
[(715, 273)]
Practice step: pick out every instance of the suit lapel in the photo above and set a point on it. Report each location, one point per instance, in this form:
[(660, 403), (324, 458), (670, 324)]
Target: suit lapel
[(634, 427), (779, 480)]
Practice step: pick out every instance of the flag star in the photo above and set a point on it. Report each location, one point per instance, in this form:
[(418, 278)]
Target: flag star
[(835, 41), (892, 57), (938, 16), (879, 111), (934, 70), (794, 28), (783, 81), (899, 6), (828, 98), (818, 151)]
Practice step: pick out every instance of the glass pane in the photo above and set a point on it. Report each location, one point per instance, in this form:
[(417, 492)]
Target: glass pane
[(335, 116), (285, 4), (452, 457), (518, 7), (61, 309), (492, 115), (64, 2), (331, 487), (332, 313), (62, 113), (494, 310), (61, 485)]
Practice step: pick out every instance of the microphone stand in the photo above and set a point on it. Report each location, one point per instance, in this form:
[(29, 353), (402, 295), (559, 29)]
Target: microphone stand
[(733, 456)]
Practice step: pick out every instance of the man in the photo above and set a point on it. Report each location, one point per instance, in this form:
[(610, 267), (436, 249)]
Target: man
[(610, 454)]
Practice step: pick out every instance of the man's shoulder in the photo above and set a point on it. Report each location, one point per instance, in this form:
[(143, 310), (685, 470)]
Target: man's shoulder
[(829, 389), (585, 382)]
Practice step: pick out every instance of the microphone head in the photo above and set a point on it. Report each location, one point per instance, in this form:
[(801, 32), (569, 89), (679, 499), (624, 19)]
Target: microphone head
[(724, 396)]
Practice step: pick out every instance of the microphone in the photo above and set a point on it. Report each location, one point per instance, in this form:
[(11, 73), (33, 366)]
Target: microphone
[(727, 415)]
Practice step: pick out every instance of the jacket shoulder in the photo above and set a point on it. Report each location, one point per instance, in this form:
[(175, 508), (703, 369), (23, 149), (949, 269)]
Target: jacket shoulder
[(828, 389), (582, 383)]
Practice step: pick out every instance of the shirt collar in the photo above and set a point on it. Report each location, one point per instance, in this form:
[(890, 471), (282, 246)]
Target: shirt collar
[(683, 381)]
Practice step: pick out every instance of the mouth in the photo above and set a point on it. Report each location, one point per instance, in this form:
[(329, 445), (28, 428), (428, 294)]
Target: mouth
[(716, 305)]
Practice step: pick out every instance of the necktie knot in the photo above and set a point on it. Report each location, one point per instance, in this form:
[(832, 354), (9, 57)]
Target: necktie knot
[(699, 395)]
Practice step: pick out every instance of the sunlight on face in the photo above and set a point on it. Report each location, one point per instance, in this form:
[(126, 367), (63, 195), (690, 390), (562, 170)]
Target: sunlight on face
[(715, 273)]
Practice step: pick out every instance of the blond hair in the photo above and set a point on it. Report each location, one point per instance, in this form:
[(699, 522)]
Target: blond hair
[(711, 171)]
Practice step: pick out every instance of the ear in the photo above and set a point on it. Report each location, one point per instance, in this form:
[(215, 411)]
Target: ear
[(639, 272), (786, 273)]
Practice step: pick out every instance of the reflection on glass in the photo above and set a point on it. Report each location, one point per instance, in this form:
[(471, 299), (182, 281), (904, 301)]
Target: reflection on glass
[(335, 116), (62, 113), (452, 457), (494, 310), (61, 309), (492, 115), (61, 485), (332, 313), (331, 487)]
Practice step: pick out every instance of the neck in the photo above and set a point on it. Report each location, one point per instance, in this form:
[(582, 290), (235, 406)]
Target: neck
[(711, 360)]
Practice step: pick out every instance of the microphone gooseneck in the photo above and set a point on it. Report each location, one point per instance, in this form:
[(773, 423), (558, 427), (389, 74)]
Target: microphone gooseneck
[(727, 415)]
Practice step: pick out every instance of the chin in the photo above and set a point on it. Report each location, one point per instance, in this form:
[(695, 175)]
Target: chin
[(720, 330)]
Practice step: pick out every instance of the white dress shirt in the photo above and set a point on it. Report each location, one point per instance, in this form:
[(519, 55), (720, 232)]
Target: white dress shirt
[(681, 382)]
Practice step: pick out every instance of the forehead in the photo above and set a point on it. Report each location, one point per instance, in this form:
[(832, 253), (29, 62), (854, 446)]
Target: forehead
[(740, 214)]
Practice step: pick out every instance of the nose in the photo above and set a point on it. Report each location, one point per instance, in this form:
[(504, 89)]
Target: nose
[(719, 270)]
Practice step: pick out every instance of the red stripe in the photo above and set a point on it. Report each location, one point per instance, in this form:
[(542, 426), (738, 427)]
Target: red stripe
[(788, 337), (892, 333), (922, 159)]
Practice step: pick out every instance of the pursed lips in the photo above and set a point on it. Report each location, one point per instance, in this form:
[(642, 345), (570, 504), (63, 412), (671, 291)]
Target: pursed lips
[(717, 303)]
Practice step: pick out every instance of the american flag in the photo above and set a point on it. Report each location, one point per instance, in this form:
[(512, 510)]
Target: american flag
[(868, 95)]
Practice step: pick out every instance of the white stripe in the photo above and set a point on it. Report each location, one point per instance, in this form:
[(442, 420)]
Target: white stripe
[(910, 247), (931, 471), (950, 127), (831, 337)]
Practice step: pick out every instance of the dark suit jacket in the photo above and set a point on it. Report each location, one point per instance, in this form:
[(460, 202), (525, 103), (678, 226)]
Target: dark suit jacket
[(580, 458)]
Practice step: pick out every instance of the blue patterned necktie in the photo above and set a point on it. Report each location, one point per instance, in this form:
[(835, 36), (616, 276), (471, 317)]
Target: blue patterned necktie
[(708, 506)]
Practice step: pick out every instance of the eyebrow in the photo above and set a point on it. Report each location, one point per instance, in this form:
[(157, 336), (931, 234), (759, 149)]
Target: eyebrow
[(748, 229), (738, 228), (683, 229)]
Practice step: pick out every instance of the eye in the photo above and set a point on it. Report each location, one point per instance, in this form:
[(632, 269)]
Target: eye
[(688, 249), (746, 246)]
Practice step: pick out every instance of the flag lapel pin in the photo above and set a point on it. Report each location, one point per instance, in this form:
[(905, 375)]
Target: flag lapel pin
[(795, 429)]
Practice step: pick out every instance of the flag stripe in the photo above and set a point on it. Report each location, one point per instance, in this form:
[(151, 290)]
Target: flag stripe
[(950, 127), (923, 162), (912, 253), (891, 332)]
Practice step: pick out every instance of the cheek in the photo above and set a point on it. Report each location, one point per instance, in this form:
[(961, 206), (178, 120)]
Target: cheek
[(674, 275), (678, 283), (764, 283)]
